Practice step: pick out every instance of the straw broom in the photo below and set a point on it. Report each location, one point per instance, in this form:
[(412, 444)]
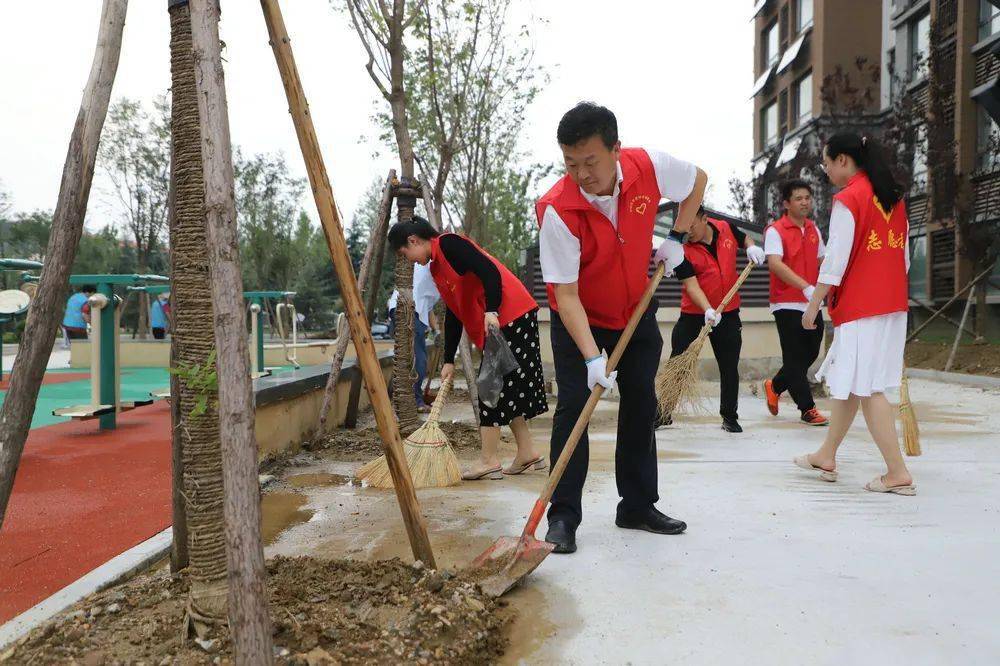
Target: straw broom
[(431, 460), (677, 380), (911, 432)]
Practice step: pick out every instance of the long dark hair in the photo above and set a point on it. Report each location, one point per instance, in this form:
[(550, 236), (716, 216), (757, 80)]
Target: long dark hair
[(868, 156), (418, 226)]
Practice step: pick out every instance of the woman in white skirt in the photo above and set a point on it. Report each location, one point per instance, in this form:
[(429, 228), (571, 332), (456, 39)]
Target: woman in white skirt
[(864, 280)]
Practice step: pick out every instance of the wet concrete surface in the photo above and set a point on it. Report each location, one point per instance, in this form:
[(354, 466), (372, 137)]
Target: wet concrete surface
[(777, 567)]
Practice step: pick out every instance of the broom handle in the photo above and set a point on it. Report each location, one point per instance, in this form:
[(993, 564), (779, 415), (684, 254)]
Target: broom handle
[(588, 409), (439, 401), (706, 329)]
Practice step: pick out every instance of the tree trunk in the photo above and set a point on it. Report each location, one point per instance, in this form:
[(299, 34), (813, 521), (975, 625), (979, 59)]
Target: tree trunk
[(67, 225), (367, 279), (192, 341), (248, 617), (403, 376), (333, 230)]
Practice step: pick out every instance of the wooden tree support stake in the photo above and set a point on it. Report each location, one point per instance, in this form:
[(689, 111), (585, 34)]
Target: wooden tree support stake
[(67, 226), (360, 330)]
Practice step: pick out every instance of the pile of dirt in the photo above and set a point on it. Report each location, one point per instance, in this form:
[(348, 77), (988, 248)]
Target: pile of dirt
[(324, 612), (363, 444), (973, 359)]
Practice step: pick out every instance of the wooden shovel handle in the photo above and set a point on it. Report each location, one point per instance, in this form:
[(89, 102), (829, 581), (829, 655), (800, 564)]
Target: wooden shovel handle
[(588, 409), (439, 400)]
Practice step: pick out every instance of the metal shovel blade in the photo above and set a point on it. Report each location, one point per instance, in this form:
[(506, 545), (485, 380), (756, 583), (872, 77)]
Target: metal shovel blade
[(507, 561)]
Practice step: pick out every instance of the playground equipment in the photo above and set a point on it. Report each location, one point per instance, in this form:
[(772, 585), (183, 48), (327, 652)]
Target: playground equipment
[(105, 367), (259, 302), (13, 302)]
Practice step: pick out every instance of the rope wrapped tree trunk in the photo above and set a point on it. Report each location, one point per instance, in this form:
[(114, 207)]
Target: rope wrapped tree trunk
[(67, 226), (368, 280), (193, 341), (248, 616)]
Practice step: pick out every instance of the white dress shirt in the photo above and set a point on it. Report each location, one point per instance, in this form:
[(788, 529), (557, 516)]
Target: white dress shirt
[(773, 245)]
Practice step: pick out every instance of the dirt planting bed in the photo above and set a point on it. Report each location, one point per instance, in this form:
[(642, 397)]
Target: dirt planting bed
[(323, 611), (365, 443), (973, 359)]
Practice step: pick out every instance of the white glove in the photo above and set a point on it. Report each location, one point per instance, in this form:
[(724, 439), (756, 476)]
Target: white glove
[(670, 254), (755, 253), (597, 373), (808, 292), (712, 318)]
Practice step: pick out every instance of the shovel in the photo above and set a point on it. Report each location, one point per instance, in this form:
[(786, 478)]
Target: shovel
[(510, 559)]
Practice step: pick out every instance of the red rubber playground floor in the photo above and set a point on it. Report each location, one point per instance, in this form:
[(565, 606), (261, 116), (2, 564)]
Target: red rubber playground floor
[(82, 497)]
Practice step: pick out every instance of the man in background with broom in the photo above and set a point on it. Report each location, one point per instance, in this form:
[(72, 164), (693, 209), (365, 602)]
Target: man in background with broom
[(595, 242), (794, 248), (707, 273)]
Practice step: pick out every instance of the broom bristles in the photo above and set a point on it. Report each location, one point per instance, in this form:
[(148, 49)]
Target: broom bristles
[(908, 417), (677, 381), (432, 461)]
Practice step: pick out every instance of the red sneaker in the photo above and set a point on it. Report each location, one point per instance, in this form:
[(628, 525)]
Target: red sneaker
[(771, 396), (814, 418)]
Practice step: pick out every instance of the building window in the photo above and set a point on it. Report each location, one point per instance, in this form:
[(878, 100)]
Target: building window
[(769, 125), (803, 100), (919, 178), (989, 19), (769, 44), (918, 267), (987, 142), (804, 14), (920, 41)]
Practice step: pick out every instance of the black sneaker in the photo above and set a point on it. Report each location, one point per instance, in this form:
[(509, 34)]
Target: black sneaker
[(563, 536), (731, 425), (651, 520)]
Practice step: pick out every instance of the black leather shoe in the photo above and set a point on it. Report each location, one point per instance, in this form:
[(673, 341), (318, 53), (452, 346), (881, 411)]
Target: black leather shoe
[(563, 536), (731, 425), (651, 520)]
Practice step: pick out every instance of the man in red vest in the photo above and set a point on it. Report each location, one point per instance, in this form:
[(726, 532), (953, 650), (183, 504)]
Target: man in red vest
[(794, 249), (595, 243), (707, 274)]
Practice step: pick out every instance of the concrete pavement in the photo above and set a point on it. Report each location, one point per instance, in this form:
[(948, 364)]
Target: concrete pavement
[(777, 567)]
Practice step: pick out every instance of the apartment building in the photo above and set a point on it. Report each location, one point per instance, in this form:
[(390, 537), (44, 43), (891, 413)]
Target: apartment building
[(802, 50), (965, 36)]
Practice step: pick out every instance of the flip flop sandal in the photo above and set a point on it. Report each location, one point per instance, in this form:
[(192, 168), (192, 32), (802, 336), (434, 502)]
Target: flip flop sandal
[(826, 475), (877, 485), (537, 464), (494, 474)]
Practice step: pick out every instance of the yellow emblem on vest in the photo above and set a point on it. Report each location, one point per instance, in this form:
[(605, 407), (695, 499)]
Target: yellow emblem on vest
[(881, 210)]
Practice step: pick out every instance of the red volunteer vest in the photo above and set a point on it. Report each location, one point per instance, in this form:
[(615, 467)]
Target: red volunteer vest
[(715, 277), (464, 294), (875, 281), (614, 265), (799, 247)]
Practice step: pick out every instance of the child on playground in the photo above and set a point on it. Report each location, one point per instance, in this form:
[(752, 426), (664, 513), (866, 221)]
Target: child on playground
[(481, 293), (865, 276)]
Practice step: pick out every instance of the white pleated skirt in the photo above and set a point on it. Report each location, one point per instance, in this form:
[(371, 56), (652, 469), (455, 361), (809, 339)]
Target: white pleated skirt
[(866, 356)]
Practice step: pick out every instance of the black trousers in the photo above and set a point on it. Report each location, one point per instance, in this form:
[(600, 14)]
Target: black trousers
[(635, 450), (799, 350), (727, 341)]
